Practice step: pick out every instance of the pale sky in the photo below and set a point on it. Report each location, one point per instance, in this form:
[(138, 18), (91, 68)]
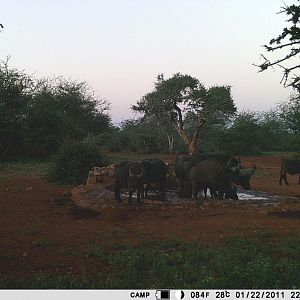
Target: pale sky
[(119, 47)]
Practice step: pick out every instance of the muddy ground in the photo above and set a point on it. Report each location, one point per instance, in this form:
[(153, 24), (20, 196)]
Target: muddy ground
[(38, 221)]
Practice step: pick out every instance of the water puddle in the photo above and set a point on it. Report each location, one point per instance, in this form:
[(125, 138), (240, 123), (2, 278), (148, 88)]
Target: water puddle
[(252, 195), (245, 196)]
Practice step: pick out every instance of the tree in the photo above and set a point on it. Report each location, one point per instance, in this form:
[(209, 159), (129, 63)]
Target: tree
[(63, 109), (37, 116), (290, 112), (273, 129), (15, 93), (164, 133), (73, 161), (138, 135), (288, 40), (245, 135), (179, 95)]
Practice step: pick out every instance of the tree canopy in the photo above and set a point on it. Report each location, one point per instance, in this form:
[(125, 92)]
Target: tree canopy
[(36, 116), (179, 95), (290, 113)]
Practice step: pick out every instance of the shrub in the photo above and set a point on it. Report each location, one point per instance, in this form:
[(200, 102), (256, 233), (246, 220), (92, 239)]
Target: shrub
[(115, 144), (73, 161)]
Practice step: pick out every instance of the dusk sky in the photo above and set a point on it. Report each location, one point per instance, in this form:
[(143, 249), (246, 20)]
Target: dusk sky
[(119, 47)]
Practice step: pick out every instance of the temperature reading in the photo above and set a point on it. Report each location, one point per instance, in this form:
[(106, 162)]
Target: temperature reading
[(198, 295), (222, 294)]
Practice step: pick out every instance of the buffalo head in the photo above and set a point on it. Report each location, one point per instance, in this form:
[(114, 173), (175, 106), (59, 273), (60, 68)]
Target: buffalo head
[(243, 176), (136, 173)]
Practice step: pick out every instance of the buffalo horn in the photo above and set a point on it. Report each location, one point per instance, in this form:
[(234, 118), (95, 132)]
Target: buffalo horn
[(130, 173), (141, 173), (138, 175)]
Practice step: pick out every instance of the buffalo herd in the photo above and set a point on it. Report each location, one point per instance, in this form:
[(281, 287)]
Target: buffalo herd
[(196, 174), (220, 173)]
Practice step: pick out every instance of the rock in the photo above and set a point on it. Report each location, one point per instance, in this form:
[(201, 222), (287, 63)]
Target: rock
[(94, 197)]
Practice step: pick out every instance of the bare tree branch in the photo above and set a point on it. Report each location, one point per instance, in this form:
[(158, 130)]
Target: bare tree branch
[(292, 34), (269, 48)]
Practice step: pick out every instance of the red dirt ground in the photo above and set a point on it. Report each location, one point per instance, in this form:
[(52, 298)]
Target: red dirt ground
[(33, 214)]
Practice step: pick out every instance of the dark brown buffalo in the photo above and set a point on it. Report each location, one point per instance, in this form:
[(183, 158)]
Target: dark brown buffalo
[(184, 165), (289, 166), (155, 173), (219, 177), (128, 174)]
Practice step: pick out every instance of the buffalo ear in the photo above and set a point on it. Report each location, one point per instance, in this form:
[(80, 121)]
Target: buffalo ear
[(233, 169)]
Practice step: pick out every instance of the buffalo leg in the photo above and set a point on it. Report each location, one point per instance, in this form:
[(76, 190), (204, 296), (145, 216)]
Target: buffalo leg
[(162, 191), (117, 192), (130, 197), (222, 194), (205, 192), (187, 188), (143, 191), (213, 193), (283, 176), (181, 184), (138, 194), (280, 179), (230, 193), (195, 193), (145, 188)]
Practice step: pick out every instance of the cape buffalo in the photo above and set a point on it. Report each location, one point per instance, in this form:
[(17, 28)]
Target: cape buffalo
[(129, 175), (290, 166), (214, 174), (242, 177), (184, 165), (155, 172)]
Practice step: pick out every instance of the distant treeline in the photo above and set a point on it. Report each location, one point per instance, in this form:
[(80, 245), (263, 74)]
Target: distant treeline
[(38, 116), (245, 133)]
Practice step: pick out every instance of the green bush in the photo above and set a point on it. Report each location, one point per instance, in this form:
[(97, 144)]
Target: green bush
[(73, 161), (115, 144)]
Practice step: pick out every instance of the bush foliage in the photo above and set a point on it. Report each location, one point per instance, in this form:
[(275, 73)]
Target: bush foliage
[(73, 161), (36, 116)]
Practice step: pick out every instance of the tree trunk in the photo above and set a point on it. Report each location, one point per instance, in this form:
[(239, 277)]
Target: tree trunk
[(193, 147), (171, 143), (192, 144)]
